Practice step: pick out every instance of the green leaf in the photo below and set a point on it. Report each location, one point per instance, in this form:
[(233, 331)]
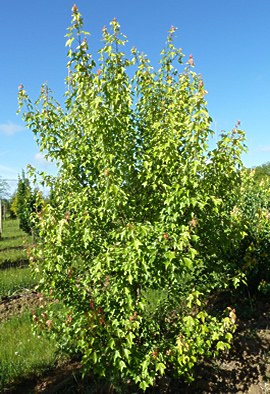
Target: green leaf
[(94, 357), (116, 355), (127, 353), (143, 385), (122, 365), (130, 336), (145, 364), (189, 321), (161, 368), (69, 41), (188, 262), (137, 244), (221, 345)]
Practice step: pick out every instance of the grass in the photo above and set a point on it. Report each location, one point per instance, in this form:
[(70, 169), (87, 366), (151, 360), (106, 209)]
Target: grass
[(11, 258), (11, 230), (13, 253), (22, 354), (14, 242), (27, 355), (15, 280), (13, 245)]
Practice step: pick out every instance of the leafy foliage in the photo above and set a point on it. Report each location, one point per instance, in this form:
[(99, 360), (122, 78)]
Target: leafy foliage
[(141, 221), (252, 213), (262, 172)]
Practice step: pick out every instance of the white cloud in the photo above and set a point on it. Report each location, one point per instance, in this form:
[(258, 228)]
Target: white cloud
[(265, 148), (39, 157), (10, 128)]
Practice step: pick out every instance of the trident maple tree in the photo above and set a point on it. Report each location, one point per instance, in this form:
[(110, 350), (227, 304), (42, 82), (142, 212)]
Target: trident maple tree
[(130, 242)]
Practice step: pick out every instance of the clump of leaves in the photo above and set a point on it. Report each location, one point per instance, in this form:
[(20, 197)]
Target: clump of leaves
[(252, 214), (140, 208)]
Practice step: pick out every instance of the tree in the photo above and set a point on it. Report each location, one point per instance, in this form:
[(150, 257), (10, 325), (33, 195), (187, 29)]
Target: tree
[(131, 245), (24, 198), (262, 171), (4, 188), (252, 212), (24, 203), (13, 205)]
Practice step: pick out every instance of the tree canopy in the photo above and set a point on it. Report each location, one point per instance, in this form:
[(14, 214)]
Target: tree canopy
[(142, 228), (262, 171)]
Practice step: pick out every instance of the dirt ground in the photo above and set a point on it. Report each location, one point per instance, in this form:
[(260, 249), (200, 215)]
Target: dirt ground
[(16, 304), (245, 369)]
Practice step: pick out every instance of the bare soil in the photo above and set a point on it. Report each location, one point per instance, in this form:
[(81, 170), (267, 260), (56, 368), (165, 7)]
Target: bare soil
[(17, 304)]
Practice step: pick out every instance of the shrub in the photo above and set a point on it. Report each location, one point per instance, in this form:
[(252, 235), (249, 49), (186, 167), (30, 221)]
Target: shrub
[(252, 215), (140, 209)]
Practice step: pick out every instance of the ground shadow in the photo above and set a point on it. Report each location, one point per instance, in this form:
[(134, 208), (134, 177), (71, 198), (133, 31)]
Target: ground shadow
[(13, 248), (14, 264)]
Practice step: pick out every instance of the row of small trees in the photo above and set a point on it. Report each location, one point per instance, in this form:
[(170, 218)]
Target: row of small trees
[(146, 221), (21, 204)]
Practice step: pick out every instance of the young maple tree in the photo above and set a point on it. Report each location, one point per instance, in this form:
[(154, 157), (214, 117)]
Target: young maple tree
[(130, 243)]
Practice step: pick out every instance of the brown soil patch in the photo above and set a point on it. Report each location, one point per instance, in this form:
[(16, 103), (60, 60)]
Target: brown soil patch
[(244, 369), (17, 304), (60, 378)]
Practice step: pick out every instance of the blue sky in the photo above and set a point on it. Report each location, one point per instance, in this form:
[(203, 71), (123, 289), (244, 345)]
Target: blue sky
[(229, 40)]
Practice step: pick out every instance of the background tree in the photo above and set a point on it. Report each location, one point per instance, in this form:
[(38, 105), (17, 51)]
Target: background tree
[(4, 188), (13, 205), (24, 203), (262, 172), (252, 213), (131, 244)]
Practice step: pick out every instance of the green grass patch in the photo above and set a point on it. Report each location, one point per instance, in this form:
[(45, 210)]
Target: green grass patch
[(11, 228), (14, 242), (13, 236), (22, 354), (15, 280), (13, 245), (13, 257)]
